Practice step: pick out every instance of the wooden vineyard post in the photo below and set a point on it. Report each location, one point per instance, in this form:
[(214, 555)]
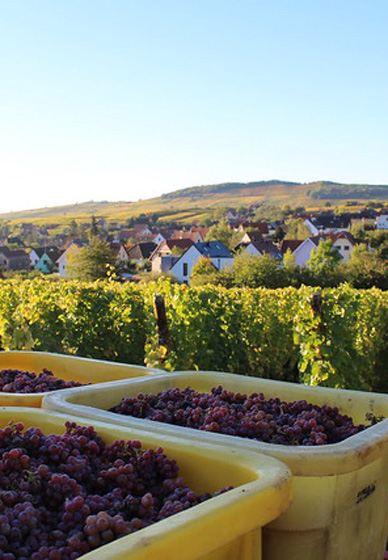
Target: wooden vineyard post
[(161, 320)]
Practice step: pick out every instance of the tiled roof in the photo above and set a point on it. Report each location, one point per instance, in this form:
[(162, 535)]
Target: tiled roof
[(181, 234), (262, 227), (141, 250), (291, 244), (171, 244), (10, 254), (267, 247), (254, 236), (342, 235)]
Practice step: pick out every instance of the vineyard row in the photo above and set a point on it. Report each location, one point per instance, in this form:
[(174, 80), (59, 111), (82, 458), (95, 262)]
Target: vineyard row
[(336, 337)]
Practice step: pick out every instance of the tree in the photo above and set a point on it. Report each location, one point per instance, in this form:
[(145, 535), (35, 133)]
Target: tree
[(224, 233), (92, 262), (203, 266), (94, 229), (324, 259), (73, 228), (382, 251), (377, 237), (204, 272), (278, 234), (365, 269), (254, 271), (5, 229), (357, 229), (296, 229), (176, 250), (219, 213), (269, 212), (289, 262)]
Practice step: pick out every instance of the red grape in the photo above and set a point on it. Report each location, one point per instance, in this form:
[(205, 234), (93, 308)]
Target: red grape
[(62, 496), (249, 416)]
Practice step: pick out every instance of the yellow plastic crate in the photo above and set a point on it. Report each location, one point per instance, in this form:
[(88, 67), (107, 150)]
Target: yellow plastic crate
[(70, 368), (340, 510), (227, 527)]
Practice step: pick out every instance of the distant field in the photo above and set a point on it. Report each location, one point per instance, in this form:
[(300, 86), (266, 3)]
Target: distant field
[(198, 203)]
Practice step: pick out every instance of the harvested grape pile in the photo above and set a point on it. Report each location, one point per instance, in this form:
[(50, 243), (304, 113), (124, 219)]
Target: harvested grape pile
[(17, 381), (249, 416), (62, 496)]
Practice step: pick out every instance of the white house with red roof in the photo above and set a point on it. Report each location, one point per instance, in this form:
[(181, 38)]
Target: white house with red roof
[(167, 253), (344, 242), (301, 249)]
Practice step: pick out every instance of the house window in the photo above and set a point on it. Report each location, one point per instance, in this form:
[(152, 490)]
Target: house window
[(346, 248), (185, 269)]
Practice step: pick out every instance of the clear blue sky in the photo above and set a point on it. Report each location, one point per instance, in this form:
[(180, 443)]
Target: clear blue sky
[(121, 100)]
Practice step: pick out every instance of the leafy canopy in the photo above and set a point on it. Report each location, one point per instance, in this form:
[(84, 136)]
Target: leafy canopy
[(92, 262)]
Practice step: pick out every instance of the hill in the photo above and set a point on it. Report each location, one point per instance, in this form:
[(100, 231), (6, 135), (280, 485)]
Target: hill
[(200, 201)]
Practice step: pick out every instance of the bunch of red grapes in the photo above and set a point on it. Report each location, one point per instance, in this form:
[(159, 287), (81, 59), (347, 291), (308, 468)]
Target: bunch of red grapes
[(17, 381), (249, 416), (62, 496)]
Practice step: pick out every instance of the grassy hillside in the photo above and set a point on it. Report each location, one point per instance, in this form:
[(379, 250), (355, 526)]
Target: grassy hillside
[(199, 202)]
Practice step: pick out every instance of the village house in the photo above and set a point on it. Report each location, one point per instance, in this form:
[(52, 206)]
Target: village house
[(203, 230), (301, 249), (232, 217), (13, 259), (250, 237), (260, 248), (141, 252), (34, 258), (47, 258), (139, 232), (327, 223), (215, 251), (195, 236), (63, 260), (167, 253), (120, 252), (344, 242), (382, 221)]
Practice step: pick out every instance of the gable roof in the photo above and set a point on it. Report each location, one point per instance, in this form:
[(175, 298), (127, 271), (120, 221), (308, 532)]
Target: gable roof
[(116, 247), (171, 244), (203, 230), (254, 236), (342, 235), (331, 221), (291, 244), (213, 250), (51, 251), (141, 250), (13, 254), (267, 247), (182, 234)]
